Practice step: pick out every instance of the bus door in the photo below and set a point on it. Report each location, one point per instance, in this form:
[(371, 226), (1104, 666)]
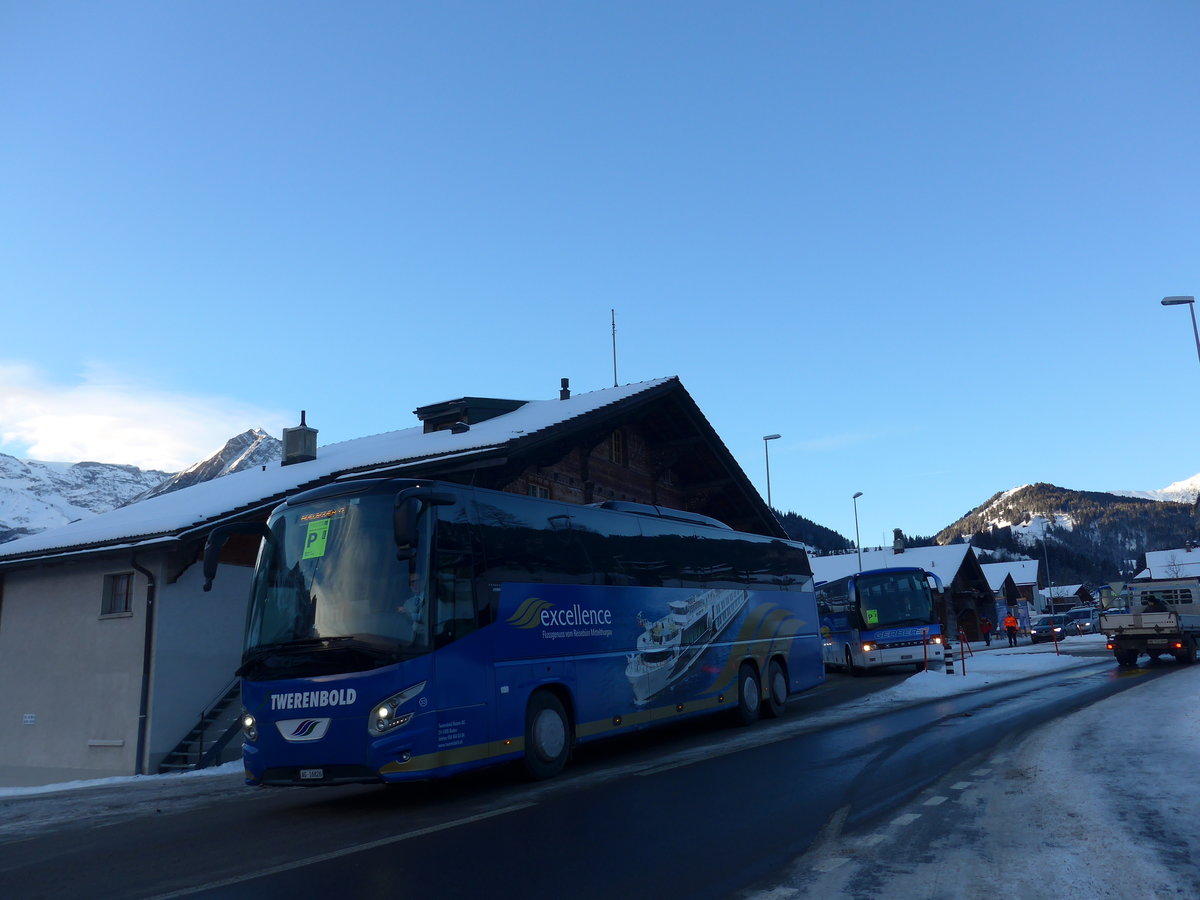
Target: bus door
[(462, 672)]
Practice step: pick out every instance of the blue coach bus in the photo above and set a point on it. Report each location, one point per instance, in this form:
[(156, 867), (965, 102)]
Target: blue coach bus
[(881, 617), (403, 630)]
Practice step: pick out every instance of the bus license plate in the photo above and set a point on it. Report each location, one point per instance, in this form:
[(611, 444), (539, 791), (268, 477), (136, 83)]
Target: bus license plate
[(909, 656), (312, 774)]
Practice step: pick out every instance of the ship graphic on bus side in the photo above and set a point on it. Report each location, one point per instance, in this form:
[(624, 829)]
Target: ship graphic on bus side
[(668, 647)]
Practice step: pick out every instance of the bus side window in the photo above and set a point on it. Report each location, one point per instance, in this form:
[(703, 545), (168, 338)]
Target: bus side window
[(456, 616), (668, 554), (456, 567)]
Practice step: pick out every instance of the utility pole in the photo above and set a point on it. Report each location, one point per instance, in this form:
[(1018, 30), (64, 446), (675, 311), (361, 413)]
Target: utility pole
[(614, 335)]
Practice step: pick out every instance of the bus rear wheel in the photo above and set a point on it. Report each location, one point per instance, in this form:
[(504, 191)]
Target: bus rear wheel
[(749, 695), (777, 690), (547, 736)]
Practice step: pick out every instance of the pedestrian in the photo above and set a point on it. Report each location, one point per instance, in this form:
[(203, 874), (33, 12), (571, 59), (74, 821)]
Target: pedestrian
[(1010, 628), (985, 628)]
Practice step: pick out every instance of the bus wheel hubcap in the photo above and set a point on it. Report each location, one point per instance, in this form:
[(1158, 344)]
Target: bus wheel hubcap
[(750, 692), (549, 734)]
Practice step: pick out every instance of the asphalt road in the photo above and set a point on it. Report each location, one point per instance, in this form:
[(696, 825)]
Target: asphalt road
[(703, 810)]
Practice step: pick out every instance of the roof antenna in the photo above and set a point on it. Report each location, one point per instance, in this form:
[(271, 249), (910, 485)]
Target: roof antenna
[(614, 333)]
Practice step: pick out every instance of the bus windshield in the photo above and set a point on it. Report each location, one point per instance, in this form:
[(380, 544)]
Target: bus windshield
[(895, 598), (329, 594)]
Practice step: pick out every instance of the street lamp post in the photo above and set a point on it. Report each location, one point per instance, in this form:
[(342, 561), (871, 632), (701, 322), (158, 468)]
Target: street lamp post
[(767, 454), (857, 542), (1190, 303), (1049, 583)]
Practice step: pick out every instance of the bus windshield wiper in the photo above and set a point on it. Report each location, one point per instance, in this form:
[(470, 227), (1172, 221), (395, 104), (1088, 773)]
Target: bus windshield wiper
[(305, 650)]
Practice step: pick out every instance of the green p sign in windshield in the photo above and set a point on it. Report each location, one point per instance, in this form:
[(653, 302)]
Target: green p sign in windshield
[(871, 614), (315, 538)]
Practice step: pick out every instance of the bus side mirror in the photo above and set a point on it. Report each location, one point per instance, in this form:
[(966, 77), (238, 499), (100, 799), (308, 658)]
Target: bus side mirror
[(404, 516), (216, 542)]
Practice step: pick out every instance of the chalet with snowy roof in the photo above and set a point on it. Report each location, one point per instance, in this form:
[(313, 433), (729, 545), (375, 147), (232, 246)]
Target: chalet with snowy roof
[(1183, 562), (1015, 585), (106, 618), (966, 597)]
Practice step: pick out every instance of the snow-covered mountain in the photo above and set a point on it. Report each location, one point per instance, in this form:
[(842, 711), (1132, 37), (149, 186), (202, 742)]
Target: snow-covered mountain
[(35, 496), (245, 451), (1184, 491)]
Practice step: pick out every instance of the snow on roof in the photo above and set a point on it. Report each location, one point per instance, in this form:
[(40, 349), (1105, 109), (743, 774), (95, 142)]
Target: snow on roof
[(1061, 590), (201, 503), (944, 561), (1179, 563), (1023, 571)]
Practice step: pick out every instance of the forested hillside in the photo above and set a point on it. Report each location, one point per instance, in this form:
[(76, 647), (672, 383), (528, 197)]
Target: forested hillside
[(809, 532), (1090, 536)]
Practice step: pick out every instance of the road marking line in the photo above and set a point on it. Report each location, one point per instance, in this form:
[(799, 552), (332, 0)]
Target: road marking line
[(982, 773), (346, 851), (962, 785), (906, 819), (936, 801), (872, 839)]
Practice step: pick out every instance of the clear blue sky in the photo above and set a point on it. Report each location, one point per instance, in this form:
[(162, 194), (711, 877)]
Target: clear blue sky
[(925, 242)]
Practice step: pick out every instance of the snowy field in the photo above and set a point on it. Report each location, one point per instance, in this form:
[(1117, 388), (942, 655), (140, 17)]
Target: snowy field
[(1084, 809)]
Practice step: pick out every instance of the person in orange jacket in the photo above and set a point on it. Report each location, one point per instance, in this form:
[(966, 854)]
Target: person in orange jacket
[(1010, 628)]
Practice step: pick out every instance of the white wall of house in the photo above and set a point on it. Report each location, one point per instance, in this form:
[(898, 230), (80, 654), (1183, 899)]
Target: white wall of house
[(197, 650), (72, 677)]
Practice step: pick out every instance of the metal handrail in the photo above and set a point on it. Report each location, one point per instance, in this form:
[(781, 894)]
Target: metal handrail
[(222, 740)]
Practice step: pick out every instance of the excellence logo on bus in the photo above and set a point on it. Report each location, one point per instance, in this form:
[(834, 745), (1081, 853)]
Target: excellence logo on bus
[(574, 620)]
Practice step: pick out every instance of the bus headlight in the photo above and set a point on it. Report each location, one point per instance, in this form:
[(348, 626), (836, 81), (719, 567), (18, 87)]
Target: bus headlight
[(249, 727), (387, 715), (936, 639), (870, 647)]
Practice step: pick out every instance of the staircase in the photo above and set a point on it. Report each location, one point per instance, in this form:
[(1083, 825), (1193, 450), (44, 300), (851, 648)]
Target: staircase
[(204, 744)]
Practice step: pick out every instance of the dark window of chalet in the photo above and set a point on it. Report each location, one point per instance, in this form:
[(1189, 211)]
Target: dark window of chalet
[(118, 594), (617, 451), (538, 490)]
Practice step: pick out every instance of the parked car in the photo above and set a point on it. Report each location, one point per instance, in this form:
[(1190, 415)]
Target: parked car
[(1083, 620), (1048, 628)]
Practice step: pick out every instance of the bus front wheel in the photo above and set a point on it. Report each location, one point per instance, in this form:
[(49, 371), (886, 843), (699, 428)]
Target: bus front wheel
[(547, 736), (776, 694), (851, 668), (749, 695)]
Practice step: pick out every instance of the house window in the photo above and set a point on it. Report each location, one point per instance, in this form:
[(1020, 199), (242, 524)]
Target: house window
[(616, 449), (118, 593), (539, 490)]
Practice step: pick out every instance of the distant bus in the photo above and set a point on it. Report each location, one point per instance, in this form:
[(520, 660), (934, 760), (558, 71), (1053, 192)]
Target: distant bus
[(881, 617), (403, 630)]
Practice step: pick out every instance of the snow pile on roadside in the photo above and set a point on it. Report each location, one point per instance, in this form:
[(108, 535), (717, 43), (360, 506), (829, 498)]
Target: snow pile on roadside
[(228, 768), (986, 668), (1106, 799)]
